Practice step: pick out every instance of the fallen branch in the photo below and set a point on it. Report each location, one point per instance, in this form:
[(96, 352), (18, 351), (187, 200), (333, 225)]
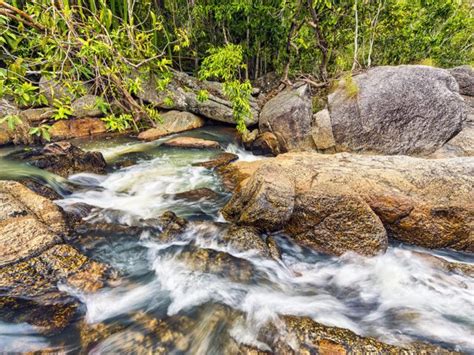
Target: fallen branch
[(16, 14)]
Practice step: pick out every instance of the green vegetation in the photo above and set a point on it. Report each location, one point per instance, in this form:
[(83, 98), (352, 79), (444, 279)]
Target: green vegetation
[(113, 46)]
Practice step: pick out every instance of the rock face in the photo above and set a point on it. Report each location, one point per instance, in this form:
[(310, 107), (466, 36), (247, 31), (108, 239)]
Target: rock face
[(33, 259), (266, 144), (76, 128), (343, 202), (397, 110), (288, 116), (173, 122), (64, 159), (464, 75), (183, 91), (29, 223), (191, 143)]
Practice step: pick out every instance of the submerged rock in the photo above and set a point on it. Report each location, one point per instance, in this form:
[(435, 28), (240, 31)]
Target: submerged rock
[(343, 202), (172, 122), (64, 159), (191, 143), (403, 109), (218, 161), (197, 195)]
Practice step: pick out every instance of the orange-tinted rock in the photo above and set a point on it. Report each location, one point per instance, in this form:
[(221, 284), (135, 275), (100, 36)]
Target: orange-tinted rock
[(76, 128), (191, 143)]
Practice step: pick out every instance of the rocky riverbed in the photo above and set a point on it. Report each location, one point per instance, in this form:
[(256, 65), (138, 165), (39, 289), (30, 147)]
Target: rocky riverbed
[(135, 255)]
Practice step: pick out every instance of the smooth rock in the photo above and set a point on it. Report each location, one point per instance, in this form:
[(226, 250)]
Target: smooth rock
[(183, 92), (173, 122), (322, 131), (77, 128), (64, 159), (343, 202), (191, 143), (407, 109), (86, 106), (464, 75), (288, 116)]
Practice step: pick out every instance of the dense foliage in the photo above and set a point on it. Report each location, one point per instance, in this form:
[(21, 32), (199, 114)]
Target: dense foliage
[(111, 46)]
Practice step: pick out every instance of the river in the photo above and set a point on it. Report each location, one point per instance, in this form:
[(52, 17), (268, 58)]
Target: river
[(397, 297)]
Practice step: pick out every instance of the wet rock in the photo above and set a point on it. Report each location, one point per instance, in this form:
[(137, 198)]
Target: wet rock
[(396, 110), (245, 239), (288, 116), (297, 335), (191, 143), (183, 92), (343, 202), (171, 226), (29, 223), (322, 131), (197, 195), (64, 159), (451, 266), (464, 76), (30, 292), (77, 128), (248, 137), (36, 115), (41, 189), (216, 262), (266, 144), (172, 122), (273, 248), (218, 161), (86, 106)]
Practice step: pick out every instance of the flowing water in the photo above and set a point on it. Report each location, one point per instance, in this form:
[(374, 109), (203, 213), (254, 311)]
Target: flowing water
[(397, 297)]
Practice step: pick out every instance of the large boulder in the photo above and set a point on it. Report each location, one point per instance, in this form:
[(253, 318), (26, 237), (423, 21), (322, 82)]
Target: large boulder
[(342, 202), (464, 75), (396, 110), (64, 159), (172, 122), (288, 116), (34, 259), (29, 223), (182, 94)]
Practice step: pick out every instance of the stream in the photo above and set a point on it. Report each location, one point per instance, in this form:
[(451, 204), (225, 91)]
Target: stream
[(397, 297)]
